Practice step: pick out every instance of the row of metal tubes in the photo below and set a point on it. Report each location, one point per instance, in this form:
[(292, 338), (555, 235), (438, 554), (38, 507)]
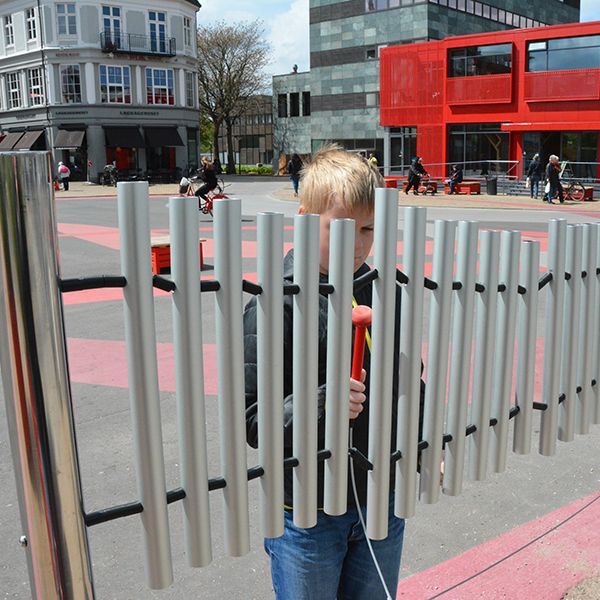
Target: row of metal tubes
[(79, 284)]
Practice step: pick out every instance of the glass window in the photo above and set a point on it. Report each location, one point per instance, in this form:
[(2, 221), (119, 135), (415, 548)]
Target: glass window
[(371, 53), (478, 9), (31, 21), (35, 82), (115, 84), (480, 60), (13, 90), (9, 32), (187, 31), (66, 16), (482, 149), (282, 107), (190, 89), (470, 7), (295, 104), (158, 31), (494, 13), (160, 88), (305, 104), (372, 99), (70, 81), (486, 11), (581, 52)]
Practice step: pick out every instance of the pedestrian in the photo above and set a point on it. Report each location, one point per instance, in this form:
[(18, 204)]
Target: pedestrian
[(553, 185), (209, 176), (64, 175), (534, 174), (416, 171), (456, 177), (331, 559), (373, 161), (294, 169)]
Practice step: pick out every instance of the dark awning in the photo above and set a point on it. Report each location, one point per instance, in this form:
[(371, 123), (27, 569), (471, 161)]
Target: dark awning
[(28, 140), (69, 140), (157, 137), (124, 137), (10, 140)]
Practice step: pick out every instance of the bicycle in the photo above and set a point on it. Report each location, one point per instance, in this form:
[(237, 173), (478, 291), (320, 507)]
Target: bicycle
[(574, 192), (189, 187)]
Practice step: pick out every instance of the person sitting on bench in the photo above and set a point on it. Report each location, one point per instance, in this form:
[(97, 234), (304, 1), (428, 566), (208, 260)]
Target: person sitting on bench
[(456, 177)]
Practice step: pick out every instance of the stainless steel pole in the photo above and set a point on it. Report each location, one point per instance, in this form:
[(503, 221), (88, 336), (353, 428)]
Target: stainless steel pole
[(339, 345), (36, 383), (269, 327), (140, 335), (189, 372), (380, 388), (595, 411)]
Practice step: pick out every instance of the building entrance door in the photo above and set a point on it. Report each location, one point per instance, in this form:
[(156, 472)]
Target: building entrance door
[(403, 148)]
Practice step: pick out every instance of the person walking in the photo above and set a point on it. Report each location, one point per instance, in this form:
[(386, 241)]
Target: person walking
[(416, 170), (64, 175), (553, 180), (372, 160), (534, 174), (294, 167)]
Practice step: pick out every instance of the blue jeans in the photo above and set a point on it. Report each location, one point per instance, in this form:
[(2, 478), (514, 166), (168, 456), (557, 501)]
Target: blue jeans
[(332, 560), (295, 181)]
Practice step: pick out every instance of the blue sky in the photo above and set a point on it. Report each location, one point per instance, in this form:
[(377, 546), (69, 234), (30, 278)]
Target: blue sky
[(286, 25)]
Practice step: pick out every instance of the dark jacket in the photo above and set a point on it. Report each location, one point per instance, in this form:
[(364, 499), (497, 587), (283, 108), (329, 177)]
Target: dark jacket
[(361, 424), (535, 169), (552, 174), (456, 175), (417, 169), (209, 175), (294, 167)]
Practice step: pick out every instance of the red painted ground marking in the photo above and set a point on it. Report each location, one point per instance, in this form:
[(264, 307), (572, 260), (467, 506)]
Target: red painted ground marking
[(104, 362), (103, 236), (101, 295), (544, 570)]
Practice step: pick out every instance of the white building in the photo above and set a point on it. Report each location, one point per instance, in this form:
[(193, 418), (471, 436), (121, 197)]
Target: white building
[(98, 82)]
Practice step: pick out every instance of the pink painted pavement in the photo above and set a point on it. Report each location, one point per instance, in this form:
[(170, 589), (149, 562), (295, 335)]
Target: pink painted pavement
[(539, 560)]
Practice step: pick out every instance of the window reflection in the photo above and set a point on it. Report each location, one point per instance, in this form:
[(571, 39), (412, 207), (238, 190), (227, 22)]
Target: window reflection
[(581, 52)]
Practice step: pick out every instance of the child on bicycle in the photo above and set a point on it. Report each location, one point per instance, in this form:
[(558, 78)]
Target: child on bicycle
[(330, 560)]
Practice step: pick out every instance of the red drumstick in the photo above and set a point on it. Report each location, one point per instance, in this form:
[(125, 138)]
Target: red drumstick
[(361, 319)]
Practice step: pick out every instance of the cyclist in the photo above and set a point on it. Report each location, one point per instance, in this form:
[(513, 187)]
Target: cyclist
[(209, 176)]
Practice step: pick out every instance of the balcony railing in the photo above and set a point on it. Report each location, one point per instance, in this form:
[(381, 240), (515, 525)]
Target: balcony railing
[(133, 43)]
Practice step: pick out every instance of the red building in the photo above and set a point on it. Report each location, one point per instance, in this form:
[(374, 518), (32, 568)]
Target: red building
[(497, 97)]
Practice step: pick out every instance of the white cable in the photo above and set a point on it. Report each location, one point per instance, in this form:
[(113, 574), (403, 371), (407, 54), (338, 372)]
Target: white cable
[(362, 522)]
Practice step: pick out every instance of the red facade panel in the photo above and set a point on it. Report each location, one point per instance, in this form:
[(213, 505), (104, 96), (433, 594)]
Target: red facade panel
[(486, 89), (576, 84)]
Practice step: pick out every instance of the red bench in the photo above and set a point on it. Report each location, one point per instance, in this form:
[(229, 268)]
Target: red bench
[(465, 187), (161, 254), (391, 181)]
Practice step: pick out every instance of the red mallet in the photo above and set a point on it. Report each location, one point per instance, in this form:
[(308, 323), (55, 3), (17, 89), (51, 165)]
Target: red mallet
[(361, 319)]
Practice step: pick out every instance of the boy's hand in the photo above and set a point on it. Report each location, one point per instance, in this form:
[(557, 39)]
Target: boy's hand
[(357, 395)]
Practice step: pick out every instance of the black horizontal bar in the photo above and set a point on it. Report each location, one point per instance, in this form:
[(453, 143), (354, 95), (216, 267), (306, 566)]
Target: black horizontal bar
[(401, 277), (79, 284), (594, 382), (583, 274), (430, 284), (521, 290), (514, 411), (493, 422), (567, 276), (251, 288), (291, 289), (164, 284), (480, 288), (540, 406), (395, 457), (115, 512), (562, 398), (360, 459), (546, 279), (175, 495), (218, 483), (365, 280), (255, 473), (326, 288), (502, 287), (457, 285), (423, 445), (210, 285), (470, 429)]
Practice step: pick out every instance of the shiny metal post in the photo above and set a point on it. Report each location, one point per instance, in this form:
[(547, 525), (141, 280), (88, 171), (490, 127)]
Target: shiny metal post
[(570, 335), (526, 345), (485, 334), (382, 336), (140, 336), (505, 347), (269, 328), (230, 369), (36, 383), (595, 411), (460, 358), (587, 335), (339, 345), (409, 381), (306, 352), (557, 236), (437, 360), (189, 374)]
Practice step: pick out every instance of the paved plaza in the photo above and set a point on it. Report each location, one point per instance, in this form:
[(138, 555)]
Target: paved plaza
[(530, 532)]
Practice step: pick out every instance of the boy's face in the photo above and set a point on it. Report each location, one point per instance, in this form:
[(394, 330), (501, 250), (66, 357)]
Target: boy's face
[(363, 237)]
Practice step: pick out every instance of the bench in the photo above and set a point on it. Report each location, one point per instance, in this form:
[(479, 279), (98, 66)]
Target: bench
[(589, 193), (161, 254), (391, 181), (465, 187)]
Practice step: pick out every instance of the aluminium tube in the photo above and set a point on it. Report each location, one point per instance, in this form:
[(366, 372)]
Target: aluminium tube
[(557, 236), (485, 334), (510, 244), (526, 345), (230, 370), (305, 371), (36, 385), (460, 358), (339, 346), (584, 411), (437, 360), (409, 380), (382, 351), (269, 371), (189, 374), (571, 333), (595, 411), (140, 336)]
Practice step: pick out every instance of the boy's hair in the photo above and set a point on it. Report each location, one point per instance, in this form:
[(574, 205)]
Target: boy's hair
[(335, 171)]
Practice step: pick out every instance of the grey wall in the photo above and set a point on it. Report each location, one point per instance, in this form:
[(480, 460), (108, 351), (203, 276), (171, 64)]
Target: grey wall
[(135, 22), (177, 31), (90, 24)]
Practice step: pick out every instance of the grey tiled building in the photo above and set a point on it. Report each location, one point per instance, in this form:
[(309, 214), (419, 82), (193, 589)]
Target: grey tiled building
[(345, 39)]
